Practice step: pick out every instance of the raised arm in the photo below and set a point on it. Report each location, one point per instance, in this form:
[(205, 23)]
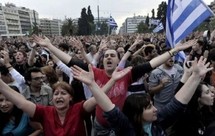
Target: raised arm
[(32, 55), (199, 69), (157, 61), (129, 52), (45, 42), (99, 94), (17, 99), (100, 52)]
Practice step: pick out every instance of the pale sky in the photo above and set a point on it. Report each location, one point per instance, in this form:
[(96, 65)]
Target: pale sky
[(119, 9)]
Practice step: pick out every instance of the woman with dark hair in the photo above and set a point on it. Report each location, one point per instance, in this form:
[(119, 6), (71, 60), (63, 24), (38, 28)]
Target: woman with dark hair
[(64, 118), (198, 114), (139, 117), (13, 120)]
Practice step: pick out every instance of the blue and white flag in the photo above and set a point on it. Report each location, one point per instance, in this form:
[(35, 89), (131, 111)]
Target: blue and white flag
[(154, 21), (182, 17), (112, 23), (158, 28)]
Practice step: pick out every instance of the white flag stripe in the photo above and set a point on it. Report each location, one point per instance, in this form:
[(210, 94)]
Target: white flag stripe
[(183, 16), (158, 28), (190, 19), (178, 11)]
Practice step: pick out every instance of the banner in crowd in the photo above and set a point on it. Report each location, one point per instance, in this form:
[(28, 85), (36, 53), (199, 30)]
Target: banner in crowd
[(112, 23), (158, 28), (154, 21)]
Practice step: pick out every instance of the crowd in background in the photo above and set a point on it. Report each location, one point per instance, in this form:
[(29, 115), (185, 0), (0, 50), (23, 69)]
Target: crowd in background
[(113, 85)]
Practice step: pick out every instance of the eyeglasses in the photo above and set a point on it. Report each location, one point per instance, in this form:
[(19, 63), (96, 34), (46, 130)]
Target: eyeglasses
[(38, 78)]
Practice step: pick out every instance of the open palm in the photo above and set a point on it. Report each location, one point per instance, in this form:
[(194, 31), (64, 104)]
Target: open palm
[(41, 41), (82, 75), (200, 68), (119, 74)]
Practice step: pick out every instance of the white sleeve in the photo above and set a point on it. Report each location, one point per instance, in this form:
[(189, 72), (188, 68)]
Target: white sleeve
[(66, 70), (17, 76)]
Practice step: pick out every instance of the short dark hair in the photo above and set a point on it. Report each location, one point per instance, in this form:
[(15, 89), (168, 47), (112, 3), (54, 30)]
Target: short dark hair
[(24, 53), (64, 46), (148, 50), (29, 71)]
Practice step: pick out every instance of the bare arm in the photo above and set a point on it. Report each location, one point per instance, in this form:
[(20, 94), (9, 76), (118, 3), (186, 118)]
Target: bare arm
[(16, 98), (32, 55), (45, 42), (157, 61), (159, 87), (99, 94), (129, 52), (199, 70)]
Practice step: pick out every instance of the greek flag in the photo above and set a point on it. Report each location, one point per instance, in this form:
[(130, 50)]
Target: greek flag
[(158, 28), (183, 16), (112, 23)]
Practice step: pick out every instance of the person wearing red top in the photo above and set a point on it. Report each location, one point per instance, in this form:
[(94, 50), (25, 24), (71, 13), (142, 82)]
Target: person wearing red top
[(117, 93), (64, 118)]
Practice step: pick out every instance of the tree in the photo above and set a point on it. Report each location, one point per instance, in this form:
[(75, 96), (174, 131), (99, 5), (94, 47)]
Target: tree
[(147, 20), (83, 26), (161, 12), (68, 27), (153, 13), (90, 20), (143, 28), (103, 28)]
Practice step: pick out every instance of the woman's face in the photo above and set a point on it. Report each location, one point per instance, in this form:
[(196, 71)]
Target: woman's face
[(51, 63), (61, 99), (149, 113), (207, 96), (5, 105)]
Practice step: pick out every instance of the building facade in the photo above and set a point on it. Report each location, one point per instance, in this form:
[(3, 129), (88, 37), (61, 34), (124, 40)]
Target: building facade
[(130, 24), (16, 21), (51, 27)]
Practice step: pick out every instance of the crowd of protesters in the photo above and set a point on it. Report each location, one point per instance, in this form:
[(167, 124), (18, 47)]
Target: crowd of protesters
[(115, 85)]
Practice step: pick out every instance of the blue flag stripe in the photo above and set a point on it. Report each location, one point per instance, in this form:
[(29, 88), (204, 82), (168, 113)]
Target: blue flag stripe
[(169, 32), (185, 14), (196, 23)]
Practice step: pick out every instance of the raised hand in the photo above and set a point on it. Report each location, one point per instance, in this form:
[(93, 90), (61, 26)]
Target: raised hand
[(200, 67), (136, 42), (119, 74), (76, 43), (5, 56), (190, 43), (103, 45), (82, 75), (187, 66), (45, 42)]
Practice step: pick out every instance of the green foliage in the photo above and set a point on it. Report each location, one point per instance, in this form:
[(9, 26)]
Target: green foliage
[(153, 13), (147, 20), (34, 29), (102, 28), (68, 28), (161, 12), (86, 22), (143, 28)]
